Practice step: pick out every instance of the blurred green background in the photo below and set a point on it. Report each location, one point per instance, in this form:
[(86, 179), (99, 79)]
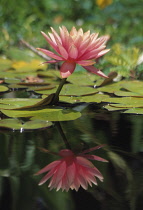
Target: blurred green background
[(122, 20)]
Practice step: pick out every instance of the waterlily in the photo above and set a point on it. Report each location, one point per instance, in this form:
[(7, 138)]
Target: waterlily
[(75, 47), (72, 170)]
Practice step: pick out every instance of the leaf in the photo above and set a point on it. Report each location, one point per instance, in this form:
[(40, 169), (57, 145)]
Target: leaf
[(3, 88), (48, 114), (134, 86), (71, 90), (97, 98), (15, 103), (16, 124)]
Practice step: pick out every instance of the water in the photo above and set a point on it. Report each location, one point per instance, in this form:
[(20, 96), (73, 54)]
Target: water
[(21, 158)]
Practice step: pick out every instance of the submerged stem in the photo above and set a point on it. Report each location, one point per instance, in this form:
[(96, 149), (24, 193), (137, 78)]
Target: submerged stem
[(58, 125)]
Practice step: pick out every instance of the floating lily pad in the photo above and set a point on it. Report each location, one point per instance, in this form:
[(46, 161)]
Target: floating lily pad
[(14, 103), (82, 78), (98, 98), (49, 114), (3, 88), (71, 90), (134, 86), (127, 93), (134, 111), (111, 88), (16, 124)]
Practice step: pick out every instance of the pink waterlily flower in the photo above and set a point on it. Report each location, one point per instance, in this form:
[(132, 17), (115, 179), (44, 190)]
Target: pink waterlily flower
[(75, 47), (72, 171)]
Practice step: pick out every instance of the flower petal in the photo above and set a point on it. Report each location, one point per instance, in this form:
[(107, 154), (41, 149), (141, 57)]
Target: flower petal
[(73, 52), (67, 68), (50, 54), (48, 167), (94, 157), (93, 70), (102, 53), (93, 148), (51, 43)]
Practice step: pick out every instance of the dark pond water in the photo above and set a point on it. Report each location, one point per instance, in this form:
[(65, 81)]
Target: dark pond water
[(20, 158)]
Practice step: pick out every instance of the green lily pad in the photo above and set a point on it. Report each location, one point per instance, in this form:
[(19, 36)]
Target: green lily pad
[(126, 102), (3, 88), (14, 103), (109, 107), (111, 88), (49, 114), (98, 98), (71, 90), (134, 86), (127, 93), (134, 111), (82, 78), (16, 124)]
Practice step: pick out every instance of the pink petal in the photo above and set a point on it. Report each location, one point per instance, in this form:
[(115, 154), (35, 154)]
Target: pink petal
[(91, 178), (94, 157), (96, 173), (52, 44), (62, 51), (67, 68), (77, 41), (56, 35), (48, 167), (59, 173), (71, 172), (102, 53), (92, 53), (50, 54), (93, 70), (73, 52), (46, 177), (93, 148), (82, 181), (66, 39), (84, 162), (73, 31)]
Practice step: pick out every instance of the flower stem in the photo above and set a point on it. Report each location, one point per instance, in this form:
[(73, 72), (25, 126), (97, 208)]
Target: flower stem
[(56, 97), (58, 125)]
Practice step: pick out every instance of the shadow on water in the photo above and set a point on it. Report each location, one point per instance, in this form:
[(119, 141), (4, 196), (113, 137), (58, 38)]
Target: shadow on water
[(122, 188)]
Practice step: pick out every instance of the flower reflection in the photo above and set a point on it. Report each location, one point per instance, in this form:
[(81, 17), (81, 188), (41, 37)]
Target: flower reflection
[(75, 47), (72, 171)]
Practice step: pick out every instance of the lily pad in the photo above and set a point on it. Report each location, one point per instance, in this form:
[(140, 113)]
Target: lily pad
[(82, 78), (3, 88), (16, 124), (14, 103), (71, 90), (48, 114), (134, 86), (98, 98)]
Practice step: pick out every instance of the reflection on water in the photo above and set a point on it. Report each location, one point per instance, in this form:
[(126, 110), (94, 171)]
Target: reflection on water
[(20, 158)]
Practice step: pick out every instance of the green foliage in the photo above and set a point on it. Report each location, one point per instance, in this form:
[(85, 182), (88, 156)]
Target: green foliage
[(31, 17), (123, 60)]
